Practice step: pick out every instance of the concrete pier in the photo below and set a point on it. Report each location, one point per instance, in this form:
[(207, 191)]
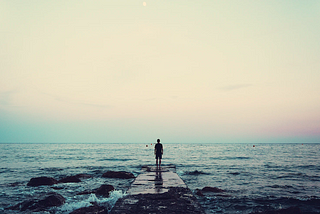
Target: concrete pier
[(158, 191)]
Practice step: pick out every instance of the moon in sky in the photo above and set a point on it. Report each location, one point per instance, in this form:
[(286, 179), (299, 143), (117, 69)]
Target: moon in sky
[(144, 3)]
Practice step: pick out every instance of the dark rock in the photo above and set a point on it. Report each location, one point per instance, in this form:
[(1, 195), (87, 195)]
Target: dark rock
[(199, 192), (91, 210), (118, 174), (85, 176), (290, 210), (36, 205), (176, 200), (104, 190), (39, 181), (52, 200), (212, 189), (22, 206), (70, 179)]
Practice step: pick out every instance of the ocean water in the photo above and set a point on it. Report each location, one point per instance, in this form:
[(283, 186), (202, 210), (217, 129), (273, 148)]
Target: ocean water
[(264, 177)]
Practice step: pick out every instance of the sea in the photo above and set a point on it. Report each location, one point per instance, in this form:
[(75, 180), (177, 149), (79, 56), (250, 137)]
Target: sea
[(255, 178)]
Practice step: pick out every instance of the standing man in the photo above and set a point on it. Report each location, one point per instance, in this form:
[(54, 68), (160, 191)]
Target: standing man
[(158, 151)]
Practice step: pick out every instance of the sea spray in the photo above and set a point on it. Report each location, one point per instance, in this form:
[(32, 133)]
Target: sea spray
[(92, 199)]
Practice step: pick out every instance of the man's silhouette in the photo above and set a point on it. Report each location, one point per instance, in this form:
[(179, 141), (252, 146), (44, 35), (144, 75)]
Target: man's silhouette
[(158, 151)]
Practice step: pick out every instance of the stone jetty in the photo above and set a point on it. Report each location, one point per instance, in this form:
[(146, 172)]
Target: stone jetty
[(158, 191)]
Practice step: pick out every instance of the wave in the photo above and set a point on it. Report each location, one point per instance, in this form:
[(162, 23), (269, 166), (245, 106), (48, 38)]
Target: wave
[(116, 159), (107, 202), (309, 204), (5, 170), (254, 179), (298, 176), (196, 172), (52, 169), (310, 167), (234, 173), (281, 186), (230, 158), (238, 158)]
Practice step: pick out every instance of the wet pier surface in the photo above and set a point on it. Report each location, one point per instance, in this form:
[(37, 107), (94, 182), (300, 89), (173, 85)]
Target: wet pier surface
[(158, 191)]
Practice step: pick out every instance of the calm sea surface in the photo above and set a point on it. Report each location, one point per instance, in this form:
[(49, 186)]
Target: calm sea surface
[(264, 177)]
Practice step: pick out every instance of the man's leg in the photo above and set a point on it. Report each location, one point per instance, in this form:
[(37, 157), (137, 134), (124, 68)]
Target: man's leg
[(157, 162)]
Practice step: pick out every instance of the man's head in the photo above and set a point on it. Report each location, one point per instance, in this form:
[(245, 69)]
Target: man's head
[(158, 140)]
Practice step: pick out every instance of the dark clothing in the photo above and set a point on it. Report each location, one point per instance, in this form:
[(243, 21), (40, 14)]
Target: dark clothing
[(158, 149)]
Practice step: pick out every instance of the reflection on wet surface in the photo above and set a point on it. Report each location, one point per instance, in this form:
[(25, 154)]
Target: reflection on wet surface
[(156, 181)]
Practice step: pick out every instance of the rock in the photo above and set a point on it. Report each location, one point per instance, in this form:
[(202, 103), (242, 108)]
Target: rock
[(50, 200), (104, 190), (176, 200), (39, 181), (290, 210), (199, 192), (91, 210), (70, 179), (118, 174), (212, 189)]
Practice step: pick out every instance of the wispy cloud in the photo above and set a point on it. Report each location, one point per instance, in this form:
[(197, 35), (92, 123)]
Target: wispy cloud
[(235, 87), (173, 97), (74, 102), (94, 105)]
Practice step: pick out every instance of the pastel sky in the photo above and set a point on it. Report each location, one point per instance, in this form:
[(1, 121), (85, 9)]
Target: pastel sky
[(204, 71)]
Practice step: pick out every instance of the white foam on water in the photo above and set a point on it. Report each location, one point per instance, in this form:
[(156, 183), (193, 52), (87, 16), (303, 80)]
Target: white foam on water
[(107, 202), (69, 207)]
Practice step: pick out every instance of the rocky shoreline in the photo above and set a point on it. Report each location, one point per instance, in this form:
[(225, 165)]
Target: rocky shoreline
[(54, 199), (175, 200)]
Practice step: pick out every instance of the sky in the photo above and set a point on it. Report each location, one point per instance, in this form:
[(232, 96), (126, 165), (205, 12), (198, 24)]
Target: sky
[(129, 71)]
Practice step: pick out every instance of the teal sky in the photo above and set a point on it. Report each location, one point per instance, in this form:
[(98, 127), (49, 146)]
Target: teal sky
[(200, 71)]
